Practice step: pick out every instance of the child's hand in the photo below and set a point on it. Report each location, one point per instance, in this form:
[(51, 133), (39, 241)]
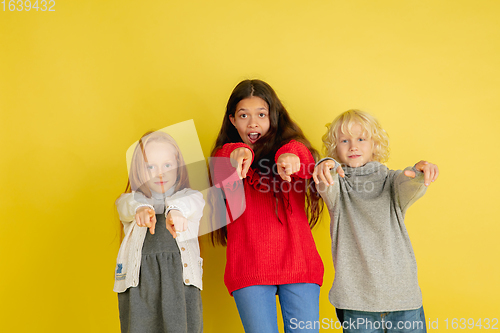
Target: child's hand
[(145, 217), (176, 222), (288, 164), (322, 172), (241, 158), (430, 171)]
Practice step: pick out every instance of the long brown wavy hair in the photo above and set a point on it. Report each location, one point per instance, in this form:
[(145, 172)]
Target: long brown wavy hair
[(282, 130)]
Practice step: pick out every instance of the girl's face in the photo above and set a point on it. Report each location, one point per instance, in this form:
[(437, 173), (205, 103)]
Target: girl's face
[(251, 119), (354, 150), (161, 166)]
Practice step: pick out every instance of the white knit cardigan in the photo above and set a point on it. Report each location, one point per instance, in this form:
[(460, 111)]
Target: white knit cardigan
[(190, 203)]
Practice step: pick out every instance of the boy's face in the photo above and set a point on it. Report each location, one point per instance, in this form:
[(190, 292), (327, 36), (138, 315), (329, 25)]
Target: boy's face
[(354, 150)]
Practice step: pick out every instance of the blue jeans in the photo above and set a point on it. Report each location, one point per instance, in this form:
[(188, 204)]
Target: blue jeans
[(409, 321), (299, 306)]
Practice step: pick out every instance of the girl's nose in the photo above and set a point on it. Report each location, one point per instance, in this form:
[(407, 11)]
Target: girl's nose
[(252, 124), (156, 173)]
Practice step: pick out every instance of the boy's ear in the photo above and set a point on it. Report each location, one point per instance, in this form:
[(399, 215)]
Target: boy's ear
[(231, 118)]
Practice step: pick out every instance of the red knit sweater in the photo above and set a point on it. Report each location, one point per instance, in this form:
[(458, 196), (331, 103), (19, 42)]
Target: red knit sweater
[(263, 249)]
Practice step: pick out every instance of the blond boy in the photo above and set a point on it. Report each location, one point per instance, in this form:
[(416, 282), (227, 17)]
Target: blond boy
[(375, 286)]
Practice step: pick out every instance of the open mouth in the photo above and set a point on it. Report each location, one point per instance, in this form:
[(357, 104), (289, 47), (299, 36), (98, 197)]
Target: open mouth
[(253, 137)]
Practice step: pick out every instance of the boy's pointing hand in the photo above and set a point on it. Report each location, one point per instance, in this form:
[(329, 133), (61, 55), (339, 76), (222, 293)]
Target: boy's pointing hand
[(430, 171), (322, 172)]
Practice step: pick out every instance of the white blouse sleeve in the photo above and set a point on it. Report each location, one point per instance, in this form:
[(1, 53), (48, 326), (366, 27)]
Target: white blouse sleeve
[(127, 204), (190, 203)]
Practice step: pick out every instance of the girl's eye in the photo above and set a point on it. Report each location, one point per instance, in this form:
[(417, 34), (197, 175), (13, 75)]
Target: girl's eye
[(361, 139), (262, 115), (243, 115), (168, 165), (150, 167), (343, 141)]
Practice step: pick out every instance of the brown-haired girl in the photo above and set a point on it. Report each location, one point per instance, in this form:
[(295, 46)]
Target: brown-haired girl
[(270, 247)]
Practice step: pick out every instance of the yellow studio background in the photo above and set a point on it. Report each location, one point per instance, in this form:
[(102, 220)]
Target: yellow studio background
[(79, 85)]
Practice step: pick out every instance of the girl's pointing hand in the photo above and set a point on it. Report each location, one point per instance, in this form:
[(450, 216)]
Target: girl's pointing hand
[(241, 159), (288, 164), (176, 222), (145, 217)]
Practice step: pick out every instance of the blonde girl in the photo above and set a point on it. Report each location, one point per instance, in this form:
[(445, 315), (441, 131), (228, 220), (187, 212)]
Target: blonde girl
[(158, 275)]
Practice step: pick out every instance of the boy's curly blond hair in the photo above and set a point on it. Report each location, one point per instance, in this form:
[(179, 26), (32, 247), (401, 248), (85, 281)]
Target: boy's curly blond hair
[(371, 128)]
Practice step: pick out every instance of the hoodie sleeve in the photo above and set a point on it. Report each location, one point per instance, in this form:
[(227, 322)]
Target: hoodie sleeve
[(407, 189)]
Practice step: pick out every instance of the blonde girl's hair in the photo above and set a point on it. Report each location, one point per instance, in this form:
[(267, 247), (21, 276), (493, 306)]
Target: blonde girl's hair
[(371, 129), (137, 180)]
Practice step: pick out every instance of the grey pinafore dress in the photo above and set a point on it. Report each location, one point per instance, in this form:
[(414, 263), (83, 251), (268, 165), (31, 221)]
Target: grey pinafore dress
[(161, 303)]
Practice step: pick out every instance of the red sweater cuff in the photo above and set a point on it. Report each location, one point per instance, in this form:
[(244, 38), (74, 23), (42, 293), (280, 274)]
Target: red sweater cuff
[(224, 173), (228, 148)]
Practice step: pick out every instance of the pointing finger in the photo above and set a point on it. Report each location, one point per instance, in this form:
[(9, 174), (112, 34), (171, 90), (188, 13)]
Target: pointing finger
[(287, 167), (282, 174), (427, 176), (170, 229), (341, 172), (153, 223), (436, 175), (315, 175), (245, 167)]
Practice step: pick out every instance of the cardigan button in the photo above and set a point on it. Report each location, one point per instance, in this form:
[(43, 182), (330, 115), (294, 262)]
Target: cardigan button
[(183, 249), (185, 265), (187, 280)]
